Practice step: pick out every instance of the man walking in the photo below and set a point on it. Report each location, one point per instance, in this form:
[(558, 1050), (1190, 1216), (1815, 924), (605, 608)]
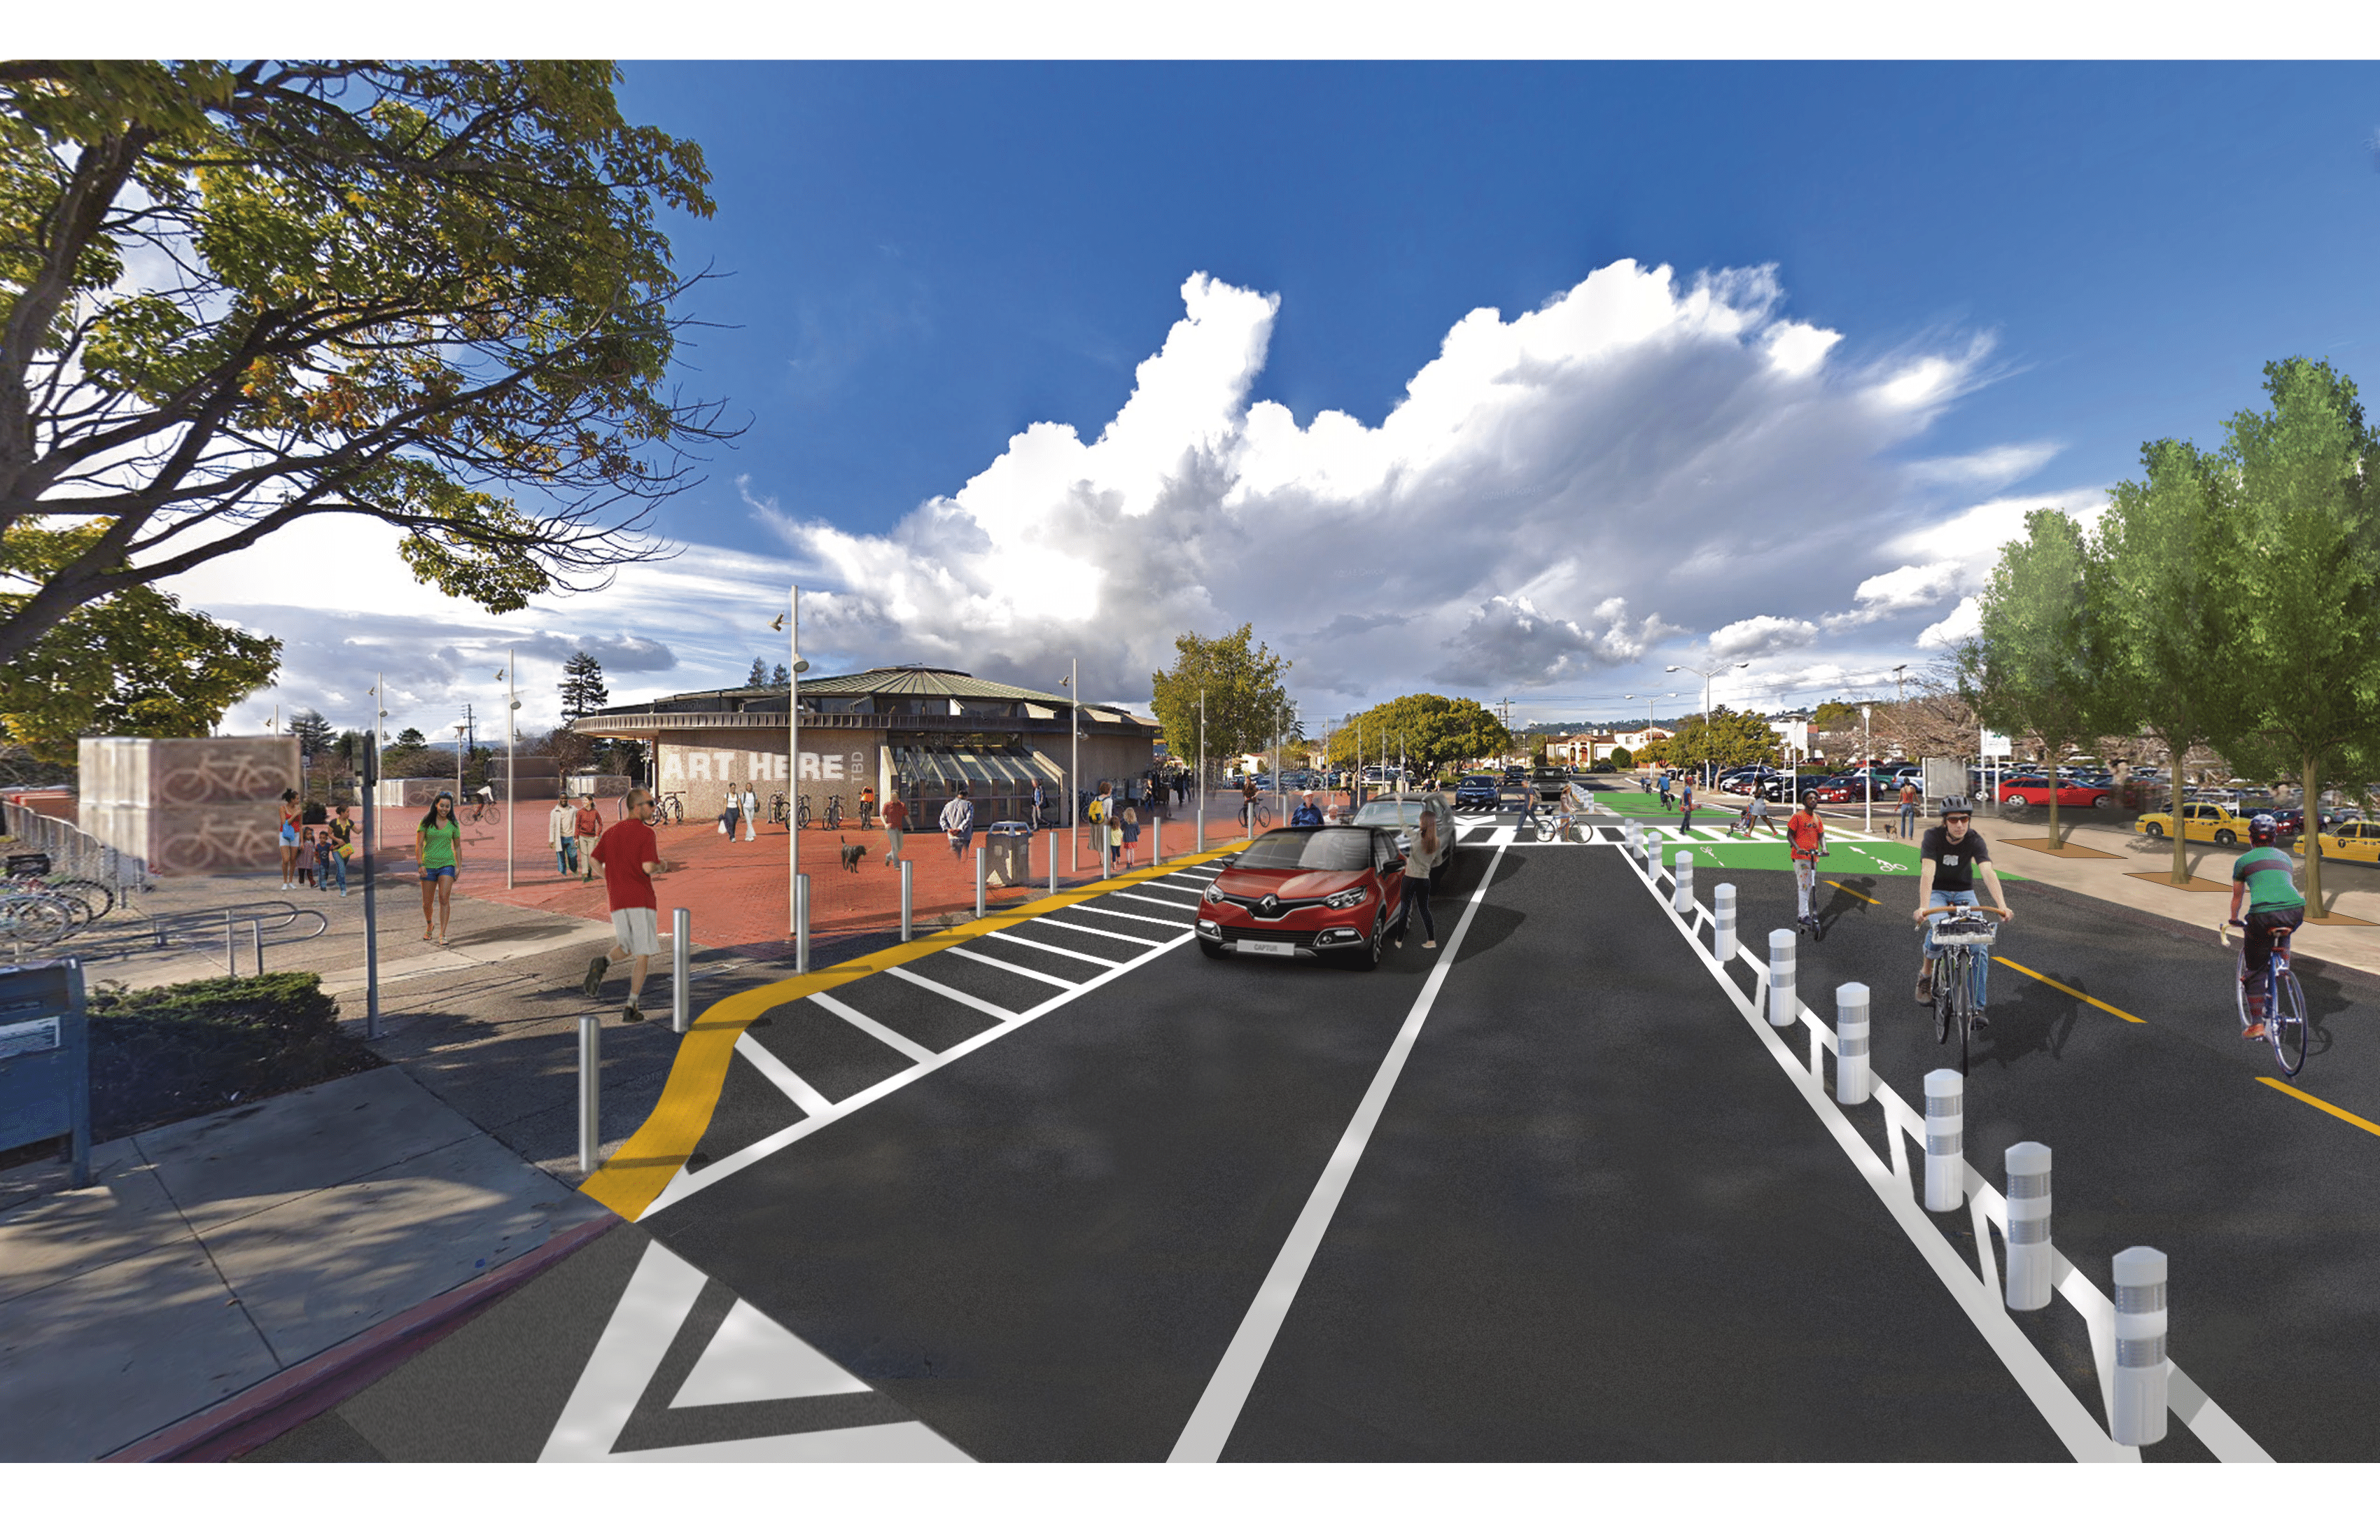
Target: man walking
[(562, 835), (1040, 805), (958, 822), (628, 858), (1908, 810), (587, 825), (1662, 781), (896, 823), (1686, 801)]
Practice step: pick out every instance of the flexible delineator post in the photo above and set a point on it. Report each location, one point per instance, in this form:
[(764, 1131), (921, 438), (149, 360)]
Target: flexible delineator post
[(907, 891), (982, 855), (590, 1090), (1784, 1005), (681, 951), (1852, 1073), (1682, 896), (802, 919), (1652, 850), (1945, 1140), (1723, 922), (2141, 1365), (2028, 1226)]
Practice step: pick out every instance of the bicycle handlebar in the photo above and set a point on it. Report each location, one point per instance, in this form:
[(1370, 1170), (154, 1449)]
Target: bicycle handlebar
[(1954, 908)]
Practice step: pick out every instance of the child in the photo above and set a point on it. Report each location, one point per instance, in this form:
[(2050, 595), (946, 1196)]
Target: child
[(1130, 825), (304, 859), (327, 862)]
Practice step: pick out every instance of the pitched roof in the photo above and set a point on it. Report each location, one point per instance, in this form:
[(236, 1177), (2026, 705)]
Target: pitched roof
[(901, 680)]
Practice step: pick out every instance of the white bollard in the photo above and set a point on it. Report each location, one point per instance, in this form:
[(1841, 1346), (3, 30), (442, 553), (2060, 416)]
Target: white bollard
[(1156, 841), (906, 889), (802, 922), (2140, 1366), (1682, 895), (590, 1091), (1851, 1082), (681, 956), (1784, 1005), (2028, 1226), (1652, 850), (983, 854), (1945, 1140), (1053, 863), (1723, 922), (1107, 857)]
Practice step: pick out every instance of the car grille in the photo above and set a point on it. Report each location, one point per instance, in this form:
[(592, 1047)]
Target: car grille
[(1266, 933)]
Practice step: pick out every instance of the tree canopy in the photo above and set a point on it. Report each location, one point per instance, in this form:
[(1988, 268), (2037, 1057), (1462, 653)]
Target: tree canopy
[(1727, 737), (1247, 705), (234, 297), (1430, 730)]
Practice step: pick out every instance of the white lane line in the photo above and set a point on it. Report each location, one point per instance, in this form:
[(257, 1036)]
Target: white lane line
[(1143, 919), (1185, 887), (1143, 898), (1095, 930), (1039, 978), (920, 980), (805, 1094), (687, 1183), (873, 1027), (1217, 1412), (660, 1295), (1015, 940)]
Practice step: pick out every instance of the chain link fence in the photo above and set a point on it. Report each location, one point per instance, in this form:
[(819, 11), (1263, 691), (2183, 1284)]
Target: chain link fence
[(73, 853)]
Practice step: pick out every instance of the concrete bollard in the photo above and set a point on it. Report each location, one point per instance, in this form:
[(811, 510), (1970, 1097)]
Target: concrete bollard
[(1652, 850), (981, 856), (907, 888), (1723, 922), (802, 922), (2140, 1366), (1852, 1073), (590, 1091), (2028, 1226), (681, 953), (1156, 841), (1784, 1005), (1681, 893), (1945, 1140), (1053, 863)]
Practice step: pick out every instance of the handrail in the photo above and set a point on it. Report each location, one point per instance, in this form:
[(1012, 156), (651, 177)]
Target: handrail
[(268, 915)]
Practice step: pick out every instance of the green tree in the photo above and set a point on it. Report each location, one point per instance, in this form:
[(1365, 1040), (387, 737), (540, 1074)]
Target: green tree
[(133, 664), (2301, 591), (2038, 667), (1430, 730), (1247, 701), (312, 731), (760, 679), (1835, 716), (1727, 738), (583, 690), (411, 738), (2159, 568), (1621, 759), (781, 678), (422, 293)]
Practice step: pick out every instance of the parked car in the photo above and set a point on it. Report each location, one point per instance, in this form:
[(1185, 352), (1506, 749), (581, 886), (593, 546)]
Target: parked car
[(1328, 892), (2200, 820), (2357, 840), (1402, 814), (2032, 791), (1476, 792)]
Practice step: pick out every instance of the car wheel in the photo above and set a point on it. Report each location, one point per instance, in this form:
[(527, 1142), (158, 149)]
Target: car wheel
[(2017, 799), (2155, 831), (1369, 958), (1212, 949), (2225, 837), (2100, 801)]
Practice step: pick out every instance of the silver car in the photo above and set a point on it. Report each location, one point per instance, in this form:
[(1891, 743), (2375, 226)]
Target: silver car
[(1404, 815)]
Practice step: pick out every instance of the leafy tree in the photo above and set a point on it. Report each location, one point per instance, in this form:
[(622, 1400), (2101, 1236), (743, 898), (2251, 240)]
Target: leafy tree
[(417, 292), (1835, 716), (2161, 564), (1621, 759), (2039, 666), (1728, 737), (2300, 591), (1246, 703), (314, 735), (760, 679), (1430, 730), (583, 690), (133, 664), (411, 738)]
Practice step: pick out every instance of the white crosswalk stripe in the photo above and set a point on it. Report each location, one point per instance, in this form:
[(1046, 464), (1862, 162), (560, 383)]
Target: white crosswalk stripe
[(1012, 939), (1006, 966), (1095, 930), (936, 986), (873, 1027)]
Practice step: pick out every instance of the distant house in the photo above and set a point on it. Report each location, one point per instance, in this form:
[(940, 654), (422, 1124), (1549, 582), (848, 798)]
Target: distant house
[(1580, 748), (1638, 741)]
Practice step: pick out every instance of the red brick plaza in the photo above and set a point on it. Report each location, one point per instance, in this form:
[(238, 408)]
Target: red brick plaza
[(736, 891)]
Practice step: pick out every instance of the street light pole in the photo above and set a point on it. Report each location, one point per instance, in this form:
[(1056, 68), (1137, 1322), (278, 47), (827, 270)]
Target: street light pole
[(1867, 771), (1075, 758), (512, 733), (1202, 768)]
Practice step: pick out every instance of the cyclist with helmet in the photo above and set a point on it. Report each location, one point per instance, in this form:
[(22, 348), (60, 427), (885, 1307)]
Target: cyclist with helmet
[(1805, 841), (2265, 877), (1951, 856)]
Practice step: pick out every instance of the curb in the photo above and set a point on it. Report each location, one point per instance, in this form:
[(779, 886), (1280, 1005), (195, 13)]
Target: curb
[(265, 1411)]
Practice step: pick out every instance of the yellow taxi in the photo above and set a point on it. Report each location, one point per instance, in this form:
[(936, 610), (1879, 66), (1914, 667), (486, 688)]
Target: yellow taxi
[(2200, 820), (2352, 842)]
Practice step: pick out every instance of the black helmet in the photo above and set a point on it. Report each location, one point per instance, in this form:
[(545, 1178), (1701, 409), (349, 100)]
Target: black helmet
[(1957, 805), (2262, 828)]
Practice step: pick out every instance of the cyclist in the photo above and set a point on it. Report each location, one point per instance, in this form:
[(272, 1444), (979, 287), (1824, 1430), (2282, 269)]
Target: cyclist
[(1806, 843), (2265, 877), (1951, 858), (486, 798)]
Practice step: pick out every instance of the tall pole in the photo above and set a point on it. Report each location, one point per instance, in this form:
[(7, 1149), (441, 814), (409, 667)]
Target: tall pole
[(372, 911), (512, 732), (794, 667), (1202, 767), (1867, 775), (1075, 762)]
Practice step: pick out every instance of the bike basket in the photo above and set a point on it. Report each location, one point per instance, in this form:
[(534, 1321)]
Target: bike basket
[(1964, 933)]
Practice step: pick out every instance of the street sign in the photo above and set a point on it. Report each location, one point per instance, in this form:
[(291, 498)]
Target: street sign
[(1995, 746)]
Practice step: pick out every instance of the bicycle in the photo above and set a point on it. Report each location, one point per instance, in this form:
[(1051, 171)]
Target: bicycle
[(802, 811), (32, 919), (2285, 1007), (1963, 936), (777, 807), (834, 812), (483, 808)]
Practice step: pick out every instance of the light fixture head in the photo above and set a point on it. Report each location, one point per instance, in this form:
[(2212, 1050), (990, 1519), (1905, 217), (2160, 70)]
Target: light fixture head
[(778, 624), (1672, 669)]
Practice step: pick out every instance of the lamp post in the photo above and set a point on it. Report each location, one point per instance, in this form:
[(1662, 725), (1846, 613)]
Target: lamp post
[(373, 733), (1867, 772), (1707, 675), (796, 666), (1074, 757), (512, 735), (1202, 769)]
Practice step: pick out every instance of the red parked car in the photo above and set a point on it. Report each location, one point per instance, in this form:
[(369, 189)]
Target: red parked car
[(2032, 791), (1328, 892)]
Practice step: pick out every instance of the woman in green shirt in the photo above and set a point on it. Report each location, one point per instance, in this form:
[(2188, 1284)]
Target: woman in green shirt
[(434, 846)]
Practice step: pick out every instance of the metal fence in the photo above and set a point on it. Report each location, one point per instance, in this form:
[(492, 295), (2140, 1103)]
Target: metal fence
[(73, 853)]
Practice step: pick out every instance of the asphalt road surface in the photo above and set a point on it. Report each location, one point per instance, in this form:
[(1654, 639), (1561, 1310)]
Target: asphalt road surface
[(1073, 1191)]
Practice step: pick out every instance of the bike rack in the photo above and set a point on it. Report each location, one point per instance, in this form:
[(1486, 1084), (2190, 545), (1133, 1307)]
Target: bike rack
[(261, 921)]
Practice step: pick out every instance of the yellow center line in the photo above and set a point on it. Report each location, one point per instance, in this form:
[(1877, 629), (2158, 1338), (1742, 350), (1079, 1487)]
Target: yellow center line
[(2339, 1113), (2077, 994), (1854, 891)]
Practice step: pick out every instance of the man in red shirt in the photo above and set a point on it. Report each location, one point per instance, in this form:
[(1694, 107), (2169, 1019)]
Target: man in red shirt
[(1805, 841), (587, 824), (626, 858)]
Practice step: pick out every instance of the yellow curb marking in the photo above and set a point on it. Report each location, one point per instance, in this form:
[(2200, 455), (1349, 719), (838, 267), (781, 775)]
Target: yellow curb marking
[(2077, 994), (637, 1172), (2340, 1112), (1854, 891)]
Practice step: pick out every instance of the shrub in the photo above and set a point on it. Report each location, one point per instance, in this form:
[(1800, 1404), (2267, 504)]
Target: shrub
[(1621, 759), (160, 1055)]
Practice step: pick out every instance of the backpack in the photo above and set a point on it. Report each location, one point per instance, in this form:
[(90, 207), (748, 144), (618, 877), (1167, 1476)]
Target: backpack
[(1094, 814)]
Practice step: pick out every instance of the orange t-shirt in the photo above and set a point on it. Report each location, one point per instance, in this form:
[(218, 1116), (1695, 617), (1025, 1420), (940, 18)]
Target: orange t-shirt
[(1806, 832), (895, 814)]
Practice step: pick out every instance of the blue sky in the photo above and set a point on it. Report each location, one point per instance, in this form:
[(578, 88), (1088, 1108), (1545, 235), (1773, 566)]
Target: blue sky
[(2025, 270)]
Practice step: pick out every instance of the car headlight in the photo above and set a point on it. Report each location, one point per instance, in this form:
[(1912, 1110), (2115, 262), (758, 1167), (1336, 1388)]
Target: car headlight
[(1347, 899), (1214, 894)]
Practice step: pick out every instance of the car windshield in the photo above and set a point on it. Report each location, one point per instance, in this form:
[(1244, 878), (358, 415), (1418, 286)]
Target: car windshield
[(1390, 814), (1310, 850)]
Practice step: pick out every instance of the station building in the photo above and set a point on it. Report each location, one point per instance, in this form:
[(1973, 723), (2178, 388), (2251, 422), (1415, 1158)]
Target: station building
[(910, 730)]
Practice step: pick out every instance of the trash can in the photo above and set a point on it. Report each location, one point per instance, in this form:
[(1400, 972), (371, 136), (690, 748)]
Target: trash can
[(1008, 859)]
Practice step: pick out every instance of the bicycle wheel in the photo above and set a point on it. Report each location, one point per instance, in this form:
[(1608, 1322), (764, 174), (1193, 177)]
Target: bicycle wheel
[(2240, 995), (2287, 1030), (32, 921), (98, 896), (1948, 980)]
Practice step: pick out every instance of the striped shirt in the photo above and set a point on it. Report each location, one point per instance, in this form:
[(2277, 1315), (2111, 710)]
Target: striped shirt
[(2270, 876)]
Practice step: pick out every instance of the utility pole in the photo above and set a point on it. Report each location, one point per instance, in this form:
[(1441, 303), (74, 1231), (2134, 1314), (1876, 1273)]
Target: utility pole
[(512, 732), (1074, 757)]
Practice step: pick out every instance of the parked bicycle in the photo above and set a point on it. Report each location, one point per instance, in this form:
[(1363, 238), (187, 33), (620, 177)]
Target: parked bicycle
[(1964, 937), (777, 807), (665, 808), (834, 812), (802, 811), (2285, 1006), (34, 919)]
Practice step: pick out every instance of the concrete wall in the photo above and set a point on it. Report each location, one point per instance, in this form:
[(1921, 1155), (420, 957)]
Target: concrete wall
[(187, 804)]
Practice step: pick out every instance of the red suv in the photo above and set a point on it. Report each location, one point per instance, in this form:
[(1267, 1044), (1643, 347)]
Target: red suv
[(1328, 892)]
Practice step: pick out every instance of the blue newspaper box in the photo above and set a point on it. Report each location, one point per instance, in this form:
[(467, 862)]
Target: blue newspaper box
[(45, 1058)]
